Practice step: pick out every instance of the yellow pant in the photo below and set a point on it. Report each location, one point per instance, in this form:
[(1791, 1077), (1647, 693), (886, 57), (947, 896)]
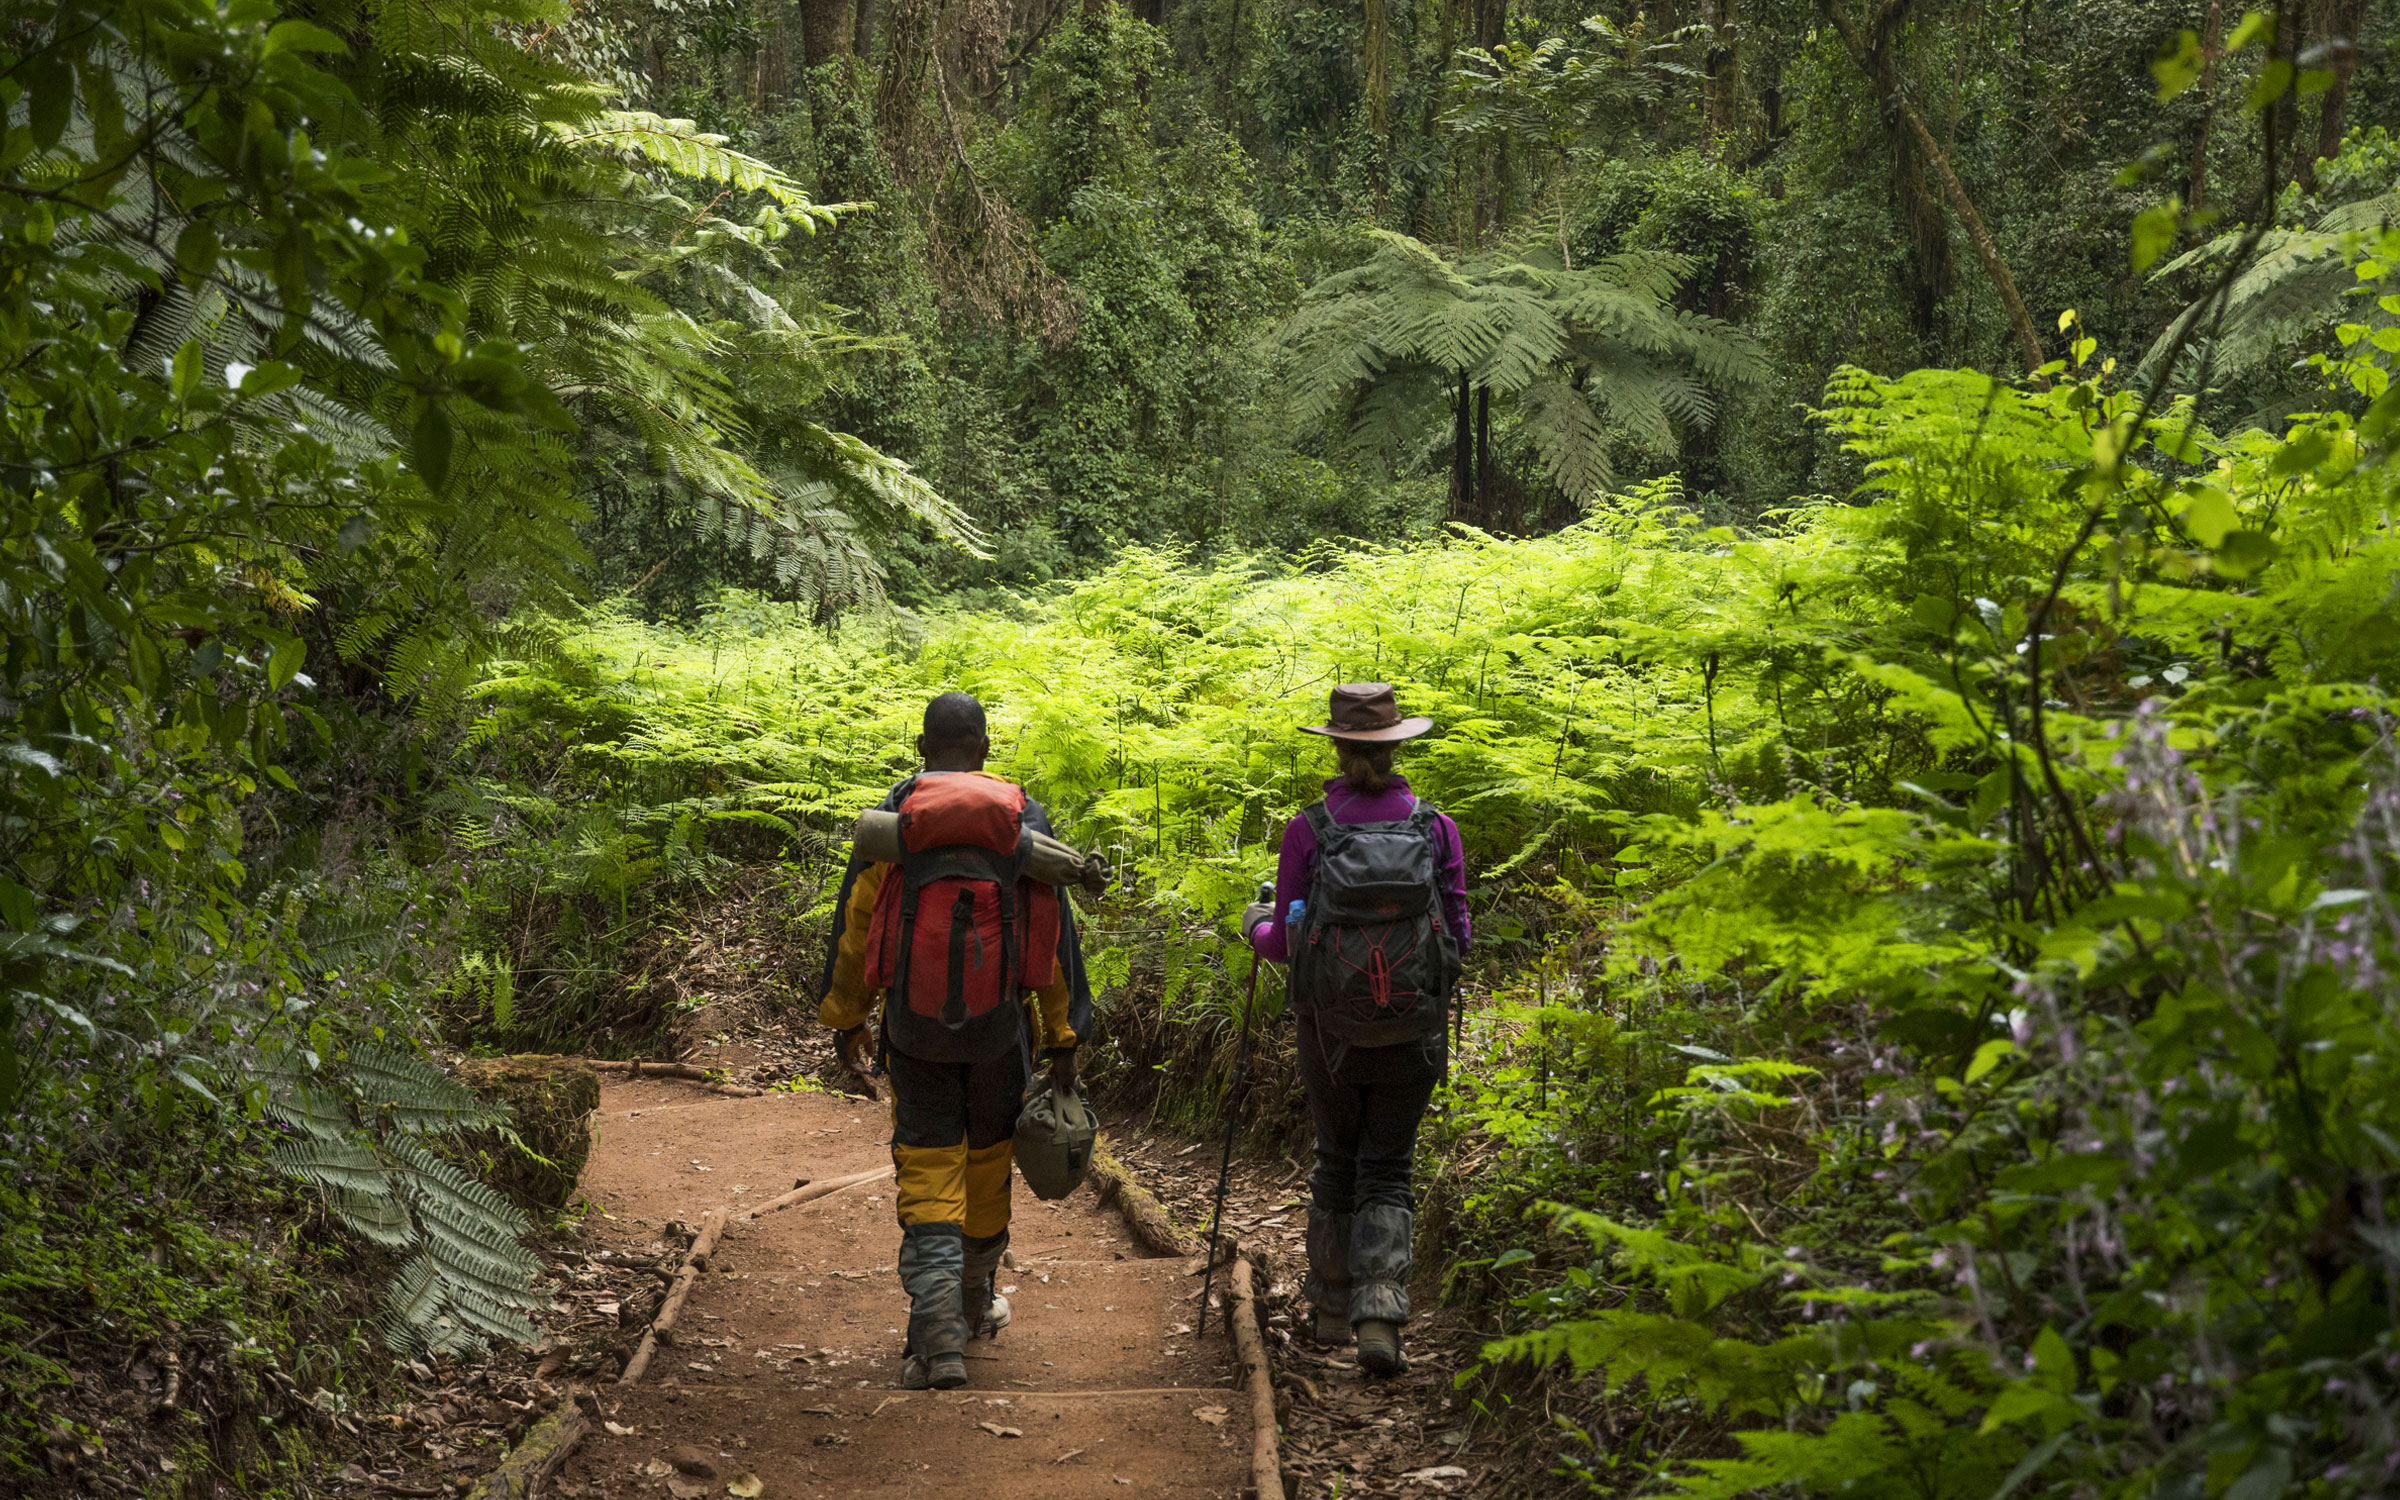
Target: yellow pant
[(952, 1125)]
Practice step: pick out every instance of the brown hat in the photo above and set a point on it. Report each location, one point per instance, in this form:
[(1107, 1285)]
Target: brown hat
[(1367, 711)]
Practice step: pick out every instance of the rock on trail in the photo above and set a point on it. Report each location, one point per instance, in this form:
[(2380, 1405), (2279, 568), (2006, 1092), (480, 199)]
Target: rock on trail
[(785, 1362)]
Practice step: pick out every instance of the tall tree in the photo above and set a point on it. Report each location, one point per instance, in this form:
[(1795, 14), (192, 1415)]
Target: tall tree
[(825, 31), (1875, 48)]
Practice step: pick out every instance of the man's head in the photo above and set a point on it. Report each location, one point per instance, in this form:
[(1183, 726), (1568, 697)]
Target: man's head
[(955, 737)]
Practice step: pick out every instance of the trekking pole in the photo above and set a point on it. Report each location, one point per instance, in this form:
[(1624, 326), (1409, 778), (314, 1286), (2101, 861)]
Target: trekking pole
[(1233, 1120)]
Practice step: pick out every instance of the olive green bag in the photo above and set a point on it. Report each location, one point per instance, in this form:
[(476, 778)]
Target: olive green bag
[(1055, 1136)]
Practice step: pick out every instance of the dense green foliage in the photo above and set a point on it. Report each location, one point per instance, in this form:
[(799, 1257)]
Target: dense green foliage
[(1088, 216), (1932, 1024), (297, 314)]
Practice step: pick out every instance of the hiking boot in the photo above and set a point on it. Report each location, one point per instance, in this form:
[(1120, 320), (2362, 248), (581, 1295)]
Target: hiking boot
[(942, 1372), (1379, 1347), (995, 1318), (1332, 1327), (1379, 1264)]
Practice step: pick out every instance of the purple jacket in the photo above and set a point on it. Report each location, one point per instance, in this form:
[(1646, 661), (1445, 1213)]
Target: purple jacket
[(1297, 861)]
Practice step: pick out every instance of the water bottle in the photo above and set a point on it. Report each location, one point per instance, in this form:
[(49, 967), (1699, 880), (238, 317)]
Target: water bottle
[(1291, 922)]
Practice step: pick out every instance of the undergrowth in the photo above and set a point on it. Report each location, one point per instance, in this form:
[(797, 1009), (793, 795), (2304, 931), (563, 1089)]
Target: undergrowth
[(1930, 1029)]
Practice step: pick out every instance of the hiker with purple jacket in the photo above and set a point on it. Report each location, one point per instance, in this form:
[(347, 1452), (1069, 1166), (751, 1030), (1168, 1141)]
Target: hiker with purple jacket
[(1370, 911)]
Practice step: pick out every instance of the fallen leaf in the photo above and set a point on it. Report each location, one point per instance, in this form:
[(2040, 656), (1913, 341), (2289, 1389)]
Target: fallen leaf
[(1433, 1475), (657, 1468), (996, 1430), (617, 1429), (744, 1484), (1070, 1453), (684, 1487), (1214, 1416)]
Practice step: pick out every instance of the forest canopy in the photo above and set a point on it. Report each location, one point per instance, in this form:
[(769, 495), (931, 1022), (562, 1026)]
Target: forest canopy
[(1890, 503)]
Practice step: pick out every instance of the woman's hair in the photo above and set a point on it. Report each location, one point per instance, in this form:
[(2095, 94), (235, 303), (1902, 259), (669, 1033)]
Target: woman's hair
[(1366, 767)]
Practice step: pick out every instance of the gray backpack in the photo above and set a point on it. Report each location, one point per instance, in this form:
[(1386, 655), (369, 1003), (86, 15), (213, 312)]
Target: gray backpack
[(1375, 965)]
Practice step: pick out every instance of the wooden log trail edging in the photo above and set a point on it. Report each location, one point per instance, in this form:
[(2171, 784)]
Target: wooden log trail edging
[(695, 1261), (530, 1464), (662, 1327), (638, 1067), (810, 1190), (1266, 1454), (1144, 1215)]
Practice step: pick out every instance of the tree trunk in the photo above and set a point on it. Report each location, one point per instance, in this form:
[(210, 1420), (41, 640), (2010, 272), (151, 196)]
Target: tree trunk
[(1483, 442), (1724, 18), (2341, 41), (1920, 216), (2197, 188), (1462, 457), (862, 30), (1379, 91), (2028, 343), (1879, 65), (824, 30)]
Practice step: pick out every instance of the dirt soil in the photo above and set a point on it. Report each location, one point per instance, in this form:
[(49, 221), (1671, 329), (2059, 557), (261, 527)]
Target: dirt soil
[(786, 1361), (1344, 1433)]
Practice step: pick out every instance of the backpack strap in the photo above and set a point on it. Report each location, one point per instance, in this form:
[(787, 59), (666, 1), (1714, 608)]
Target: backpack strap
[(1320, 822), (1422, 820)]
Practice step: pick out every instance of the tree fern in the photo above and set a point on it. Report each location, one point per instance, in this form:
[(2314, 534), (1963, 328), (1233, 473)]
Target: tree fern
[(2298, 282), (1394, 348)]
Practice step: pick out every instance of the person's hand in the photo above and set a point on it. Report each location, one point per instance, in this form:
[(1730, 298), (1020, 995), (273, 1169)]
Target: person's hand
[(1255, 913), (1062, 1070), (857, 1049)]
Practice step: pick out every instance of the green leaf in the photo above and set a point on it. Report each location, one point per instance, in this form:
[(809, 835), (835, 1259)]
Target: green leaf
[(2242, 553), (430, 446), (2272, 81), (2268, 1476), (2301, 455), (2022, 1401), (300, 36), (2177, 66), (1988, 1056), (286, 658), (196, 249), (2053, 1361), (269, 378), (50, 95), (2209, 516), (187, 372), (2154, 230)]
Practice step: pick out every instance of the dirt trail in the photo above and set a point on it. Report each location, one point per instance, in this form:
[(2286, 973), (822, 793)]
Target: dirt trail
[(786, 1358)]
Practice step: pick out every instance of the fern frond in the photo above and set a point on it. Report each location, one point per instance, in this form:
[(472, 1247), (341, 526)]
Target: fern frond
[(413, 1094), (350, 1166), (683, 148), (376, 1217)]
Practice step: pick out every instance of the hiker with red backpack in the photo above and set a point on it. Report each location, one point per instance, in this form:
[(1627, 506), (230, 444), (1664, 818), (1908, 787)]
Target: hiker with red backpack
[(947, 944), (1370, 911)]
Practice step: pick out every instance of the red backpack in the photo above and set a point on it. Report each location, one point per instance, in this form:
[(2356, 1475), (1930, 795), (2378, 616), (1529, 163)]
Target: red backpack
[(960, 934)]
